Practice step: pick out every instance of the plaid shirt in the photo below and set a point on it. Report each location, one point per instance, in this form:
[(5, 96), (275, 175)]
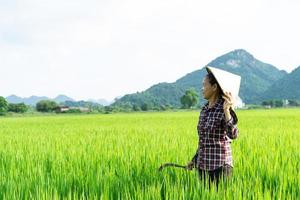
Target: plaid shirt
[(215, 136)]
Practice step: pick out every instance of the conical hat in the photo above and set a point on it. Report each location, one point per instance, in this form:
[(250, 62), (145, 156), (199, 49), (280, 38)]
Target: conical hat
[(228, 82)]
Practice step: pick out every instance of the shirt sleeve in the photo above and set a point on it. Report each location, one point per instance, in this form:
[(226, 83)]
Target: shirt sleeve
[(231, 126)]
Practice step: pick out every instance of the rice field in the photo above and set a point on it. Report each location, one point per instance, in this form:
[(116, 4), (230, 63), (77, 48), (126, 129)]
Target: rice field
[(116, 156)]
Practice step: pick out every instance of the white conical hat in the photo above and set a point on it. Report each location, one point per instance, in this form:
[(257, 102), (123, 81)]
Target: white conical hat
[(228, 82)]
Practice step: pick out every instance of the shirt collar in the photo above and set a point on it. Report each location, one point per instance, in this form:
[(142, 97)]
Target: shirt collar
[(216, 105)]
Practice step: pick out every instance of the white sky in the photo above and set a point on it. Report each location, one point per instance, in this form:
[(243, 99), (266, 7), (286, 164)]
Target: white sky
[(103, 49)]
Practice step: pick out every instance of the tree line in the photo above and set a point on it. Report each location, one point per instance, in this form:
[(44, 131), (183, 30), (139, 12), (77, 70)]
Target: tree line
[(190, 100), (281, 103)]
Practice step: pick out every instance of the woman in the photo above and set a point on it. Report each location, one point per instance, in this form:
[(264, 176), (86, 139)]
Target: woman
[(216, 127)]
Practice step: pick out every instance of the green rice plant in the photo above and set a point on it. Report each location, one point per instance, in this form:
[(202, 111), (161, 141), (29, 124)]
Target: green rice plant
[(117, 156)]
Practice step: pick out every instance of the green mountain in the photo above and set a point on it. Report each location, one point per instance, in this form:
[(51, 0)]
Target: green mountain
[(257, 77), (159, 94), (286, 88)]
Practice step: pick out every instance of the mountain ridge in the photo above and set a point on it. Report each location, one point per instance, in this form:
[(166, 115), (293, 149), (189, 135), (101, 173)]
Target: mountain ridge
[(33, 99), (257, 77)]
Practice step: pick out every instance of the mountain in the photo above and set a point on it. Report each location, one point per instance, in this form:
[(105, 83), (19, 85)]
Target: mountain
[(159, 94), (257, 77), (62, 98), (14, 99), (59, 99), (103, 102), (81, 103), (286, 88), (32, 100)]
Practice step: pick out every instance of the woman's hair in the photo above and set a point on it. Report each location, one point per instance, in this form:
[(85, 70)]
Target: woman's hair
[(212, 80)]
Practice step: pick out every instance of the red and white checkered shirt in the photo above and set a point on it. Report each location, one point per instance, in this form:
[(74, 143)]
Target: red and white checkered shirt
[(215, 135)]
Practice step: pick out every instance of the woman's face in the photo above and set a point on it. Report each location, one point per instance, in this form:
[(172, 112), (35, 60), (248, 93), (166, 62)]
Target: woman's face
[(208, 90)]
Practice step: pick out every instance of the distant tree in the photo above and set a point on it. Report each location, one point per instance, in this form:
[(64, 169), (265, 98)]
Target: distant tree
[(190, 98), (18, 108), (268, 103), (46, 106), (265, 103), (273, 103), (278, 103), (163, 107), (156, 108), (145, 107), (73, 110), (108, 109), (127, 107), (136, 107), (294, 103), (168, 106), (3, 105), (94, 107)]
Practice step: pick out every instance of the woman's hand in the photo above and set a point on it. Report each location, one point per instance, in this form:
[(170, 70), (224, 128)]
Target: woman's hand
[(229, 102), (190, 165)]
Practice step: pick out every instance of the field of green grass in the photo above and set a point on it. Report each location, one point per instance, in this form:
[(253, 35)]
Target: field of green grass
[(116, 156)]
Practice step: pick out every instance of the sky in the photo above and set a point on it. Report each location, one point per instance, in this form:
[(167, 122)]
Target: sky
[(108, 48)]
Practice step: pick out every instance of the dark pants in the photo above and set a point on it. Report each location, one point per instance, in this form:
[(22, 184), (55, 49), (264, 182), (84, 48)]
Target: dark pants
[(214, 176)]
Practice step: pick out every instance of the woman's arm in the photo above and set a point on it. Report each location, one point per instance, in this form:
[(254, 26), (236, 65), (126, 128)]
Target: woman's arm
[(231, 124), (191, 164), (230, 116)]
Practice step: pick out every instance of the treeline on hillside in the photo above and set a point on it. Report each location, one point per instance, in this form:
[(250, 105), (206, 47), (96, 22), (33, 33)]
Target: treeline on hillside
[(190, 100), (281, 103)]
